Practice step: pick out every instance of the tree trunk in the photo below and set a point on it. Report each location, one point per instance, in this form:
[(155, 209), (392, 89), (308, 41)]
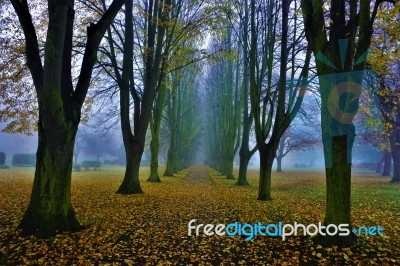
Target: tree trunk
[(264, 188), (379, 165), (229, 168), (387, 164), (170, 168), (347, 27), (338, 189), (396, 166), (133, 143), (131, 183), (395, 148), (155, 128), (50, 210), (244, 163), (76, 159), (154, 148), (279, 164)]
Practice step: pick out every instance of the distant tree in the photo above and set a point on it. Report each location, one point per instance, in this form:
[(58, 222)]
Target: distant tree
[(97, 146), (296, 138), (223, 102), (182, 119), (2, 158), (137, 57)]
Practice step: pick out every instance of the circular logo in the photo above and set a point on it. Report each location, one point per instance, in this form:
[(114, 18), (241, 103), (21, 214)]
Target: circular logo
[(333, 101)]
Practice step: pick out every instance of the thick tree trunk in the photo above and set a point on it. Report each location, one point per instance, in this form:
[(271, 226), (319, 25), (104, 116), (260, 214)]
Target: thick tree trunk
[(131, 183), (229, 167), (244, 163), (338, 133), (337, 123), (154, 148), (50, 210), (264, 188), (338, 189), (387, 164), (278, 164)]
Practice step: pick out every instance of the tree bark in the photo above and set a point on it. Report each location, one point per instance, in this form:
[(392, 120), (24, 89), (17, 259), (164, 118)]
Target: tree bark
[(395, 148), (50, 210), (171, 161), (387, 166), (338, 188), (155, 127), (133, 143), (243, 165), (279, 164), (229, 168), (131, 183), (154, 148), (379, 165), (264, 188)]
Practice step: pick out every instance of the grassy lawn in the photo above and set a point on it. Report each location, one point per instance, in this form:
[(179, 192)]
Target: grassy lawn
[(153, 227)]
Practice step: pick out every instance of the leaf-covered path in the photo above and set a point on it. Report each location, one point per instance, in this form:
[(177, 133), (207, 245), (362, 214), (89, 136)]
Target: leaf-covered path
[(152, 228)]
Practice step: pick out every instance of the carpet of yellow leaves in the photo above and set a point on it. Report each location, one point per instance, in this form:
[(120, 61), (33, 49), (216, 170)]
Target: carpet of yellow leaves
[(151, 229)]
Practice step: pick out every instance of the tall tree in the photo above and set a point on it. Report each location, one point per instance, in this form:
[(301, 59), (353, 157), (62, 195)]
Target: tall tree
[(146, 43), (273, 106), (182, 58), (155, 129), (182, 120), (60, 104), (245, 153), (158, 15), (224, 102), (339, 33)]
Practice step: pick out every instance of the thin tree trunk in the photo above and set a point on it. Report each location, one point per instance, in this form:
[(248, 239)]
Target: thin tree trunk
[(379, 165), (387, 164), (155, 127), (154, 148), (278, 164), (171, 161)]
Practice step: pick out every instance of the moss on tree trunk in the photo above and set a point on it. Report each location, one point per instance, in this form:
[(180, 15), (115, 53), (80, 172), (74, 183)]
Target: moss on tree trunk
[(338, 189), (131, 183), (154, 148), (50, 210)]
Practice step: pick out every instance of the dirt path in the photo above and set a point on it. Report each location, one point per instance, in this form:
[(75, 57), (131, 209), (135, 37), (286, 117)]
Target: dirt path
[(198, 173)]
